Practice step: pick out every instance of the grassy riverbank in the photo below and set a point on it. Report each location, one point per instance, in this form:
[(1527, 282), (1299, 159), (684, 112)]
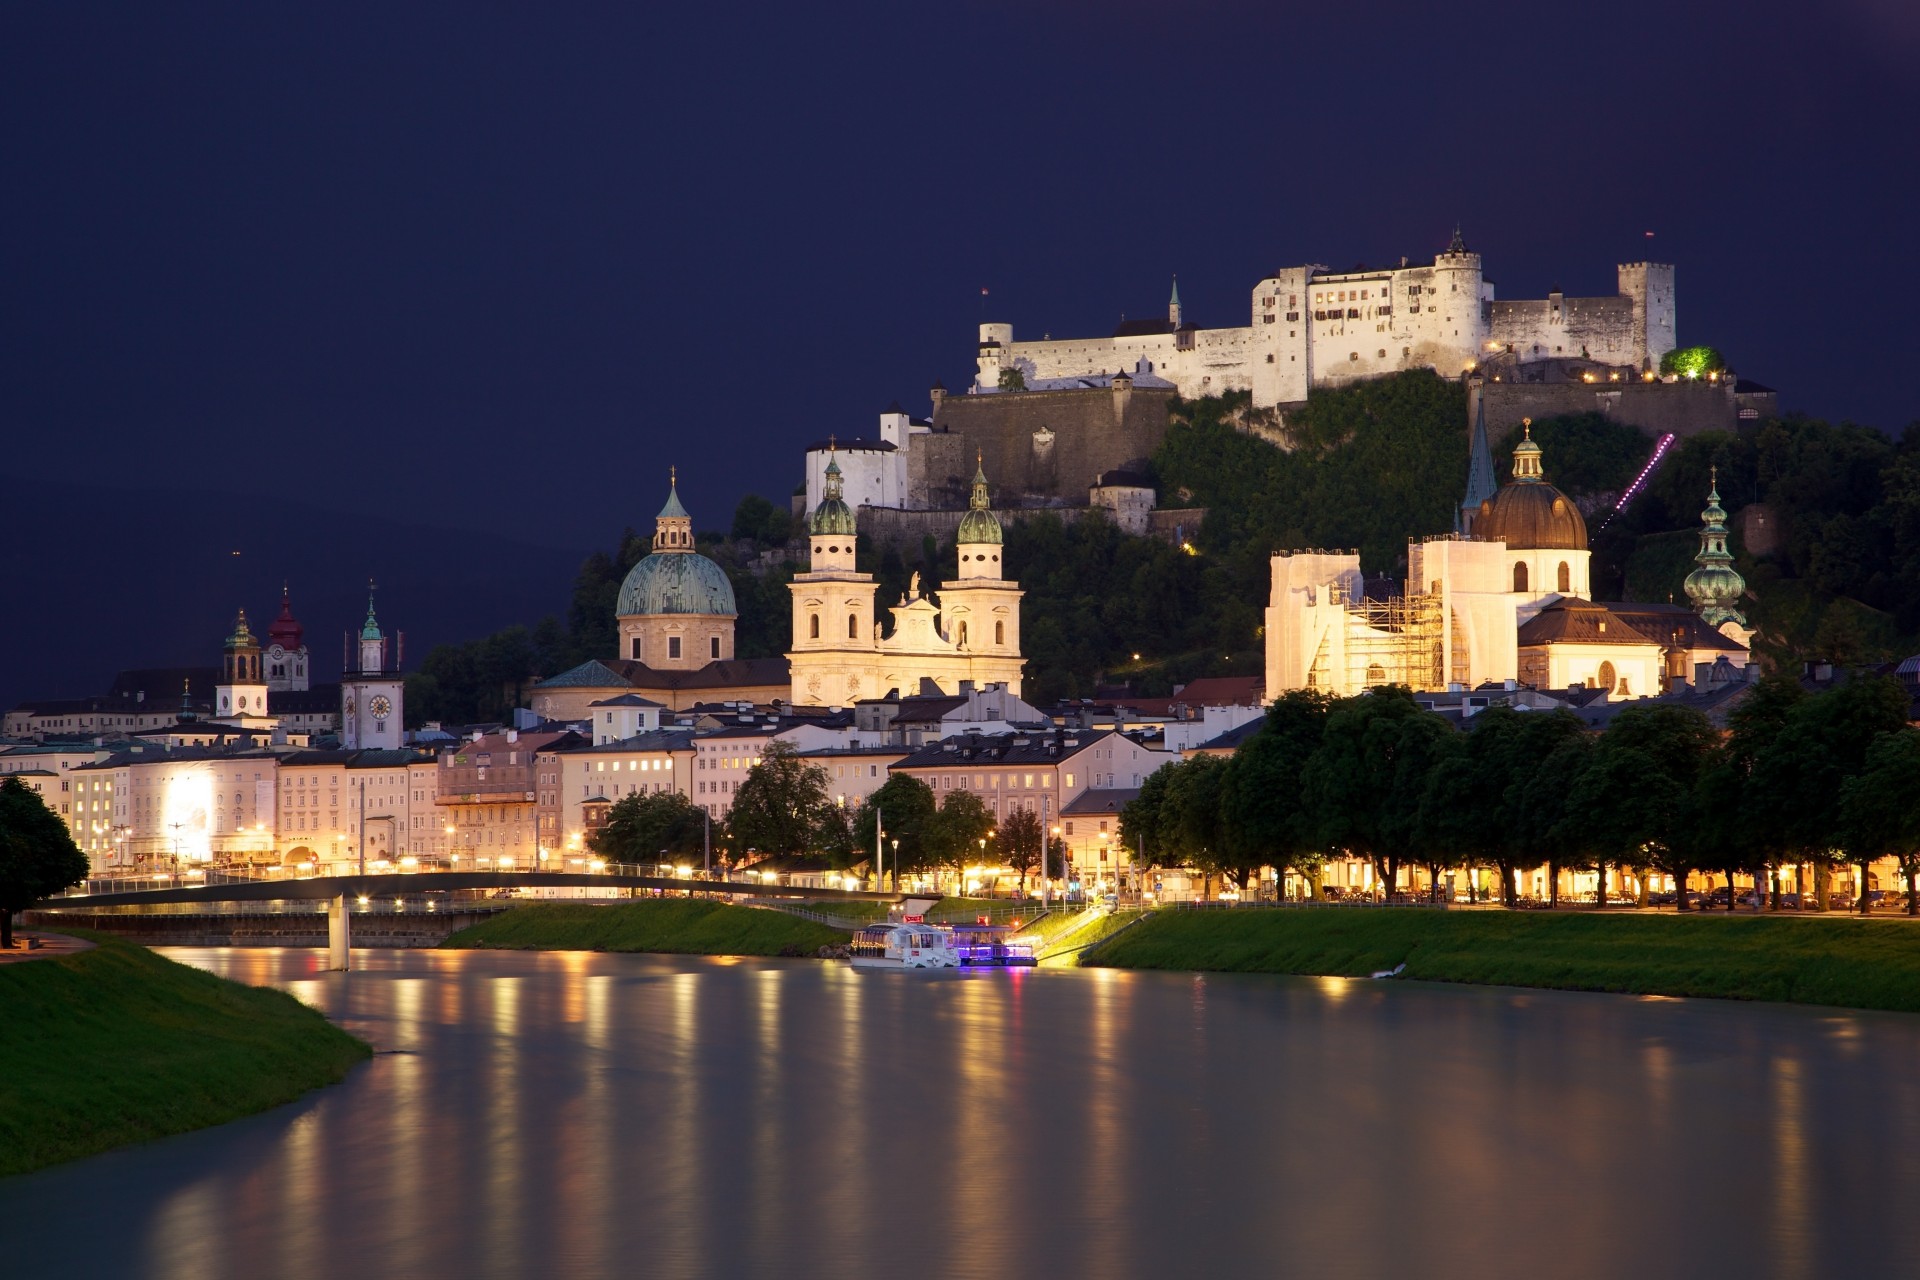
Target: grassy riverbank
[(1862, 964), (677, 926), (116, 1045)]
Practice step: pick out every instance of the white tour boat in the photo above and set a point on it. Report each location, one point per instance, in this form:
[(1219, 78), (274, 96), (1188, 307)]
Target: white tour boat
[(902, 944)]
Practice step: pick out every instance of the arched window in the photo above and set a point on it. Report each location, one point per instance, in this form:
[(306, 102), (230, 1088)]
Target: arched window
[(853, 626), (963, 636), (813, 627), (999, 633), (1606, 677), (1566, 579), (1520, 576)]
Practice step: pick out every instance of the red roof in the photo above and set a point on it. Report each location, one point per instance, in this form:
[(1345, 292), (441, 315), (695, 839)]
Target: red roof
[(285, 631)]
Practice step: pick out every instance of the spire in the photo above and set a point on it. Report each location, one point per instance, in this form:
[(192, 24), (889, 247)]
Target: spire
[(286, 630), (1481, 482), (370, 630), (1458, 244), (1173, 304), (673, 527), (1526, 457), (979, 499), (673, 510), (1716, 586), (242, 637)]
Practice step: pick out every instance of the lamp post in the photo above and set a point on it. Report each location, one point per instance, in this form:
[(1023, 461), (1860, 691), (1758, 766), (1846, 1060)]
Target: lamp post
[(1046, 855), (896, 864)]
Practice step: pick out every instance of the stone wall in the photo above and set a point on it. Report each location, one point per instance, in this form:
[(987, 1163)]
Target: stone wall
[(1035, 445), (905, 530), (263, 929), (1684, 408)]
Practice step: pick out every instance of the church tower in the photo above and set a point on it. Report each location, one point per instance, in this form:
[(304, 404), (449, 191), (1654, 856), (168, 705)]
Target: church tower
[(835, 633), (242, 692), (288, 667), (1716, 586), (372, 692), (980, 610), (1173, 304)]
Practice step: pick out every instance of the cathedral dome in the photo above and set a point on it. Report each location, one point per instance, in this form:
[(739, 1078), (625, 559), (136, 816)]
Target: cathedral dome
[(676, 582), (1529, 514), (242, 637), (833, 515)]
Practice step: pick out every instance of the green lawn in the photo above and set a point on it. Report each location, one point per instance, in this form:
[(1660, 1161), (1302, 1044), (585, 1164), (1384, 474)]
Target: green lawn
[(1862, 964), (680, 926), (117, 1045)]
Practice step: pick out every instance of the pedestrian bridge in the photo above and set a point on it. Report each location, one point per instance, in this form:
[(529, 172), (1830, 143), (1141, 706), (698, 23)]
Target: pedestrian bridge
[(342, 891)]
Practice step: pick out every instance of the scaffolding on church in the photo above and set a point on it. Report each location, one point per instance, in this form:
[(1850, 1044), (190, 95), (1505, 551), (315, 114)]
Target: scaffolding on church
[(1400, 640)]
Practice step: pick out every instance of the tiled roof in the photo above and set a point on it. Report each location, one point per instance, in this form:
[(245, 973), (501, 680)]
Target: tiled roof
[(1232, 739), (1100, 801), (1571, 621), (1038, 747)]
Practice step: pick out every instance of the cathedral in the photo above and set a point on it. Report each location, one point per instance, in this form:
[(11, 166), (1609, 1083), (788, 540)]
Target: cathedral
[(677, 610), (840, 655), (1505, 598)]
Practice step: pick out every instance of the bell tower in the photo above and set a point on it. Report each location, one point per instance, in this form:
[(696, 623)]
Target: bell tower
[(372, 693), (242, 692)]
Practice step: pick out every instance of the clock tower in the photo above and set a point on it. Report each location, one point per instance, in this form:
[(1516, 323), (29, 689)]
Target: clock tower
[(242, 693), (372, 692)]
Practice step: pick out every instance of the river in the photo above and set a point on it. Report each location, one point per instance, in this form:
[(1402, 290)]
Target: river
[(573, 1114)]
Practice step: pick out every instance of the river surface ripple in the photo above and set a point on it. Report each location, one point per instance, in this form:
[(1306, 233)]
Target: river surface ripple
[(577, 1114)]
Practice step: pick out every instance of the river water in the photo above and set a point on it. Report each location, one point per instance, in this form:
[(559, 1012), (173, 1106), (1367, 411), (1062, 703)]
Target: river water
[(573, 1114)]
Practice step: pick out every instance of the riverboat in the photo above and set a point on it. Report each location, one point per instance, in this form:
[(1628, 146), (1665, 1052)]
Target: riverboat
[(904, 945), (990, 946)]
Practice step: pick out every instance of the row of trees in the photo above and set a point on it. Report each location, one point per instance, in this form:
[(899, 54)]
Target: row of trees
[(1796, 780), (783, 810)]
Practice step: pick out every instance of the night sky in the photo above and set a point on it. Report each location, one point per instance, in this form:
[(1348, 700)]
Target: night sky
[(375, 289)]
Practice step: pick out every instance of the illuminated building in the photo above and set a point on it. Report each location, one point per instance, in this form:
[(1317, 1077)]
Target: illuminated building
[(839, 654), (372, 694)]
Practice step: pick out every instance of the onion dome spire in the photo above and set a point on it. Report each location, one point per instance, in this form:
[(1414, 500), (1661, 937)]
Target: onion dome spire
[(286, 630), (370, 629), (1715, 587), (833, 515), (979, 526), (242, 637)]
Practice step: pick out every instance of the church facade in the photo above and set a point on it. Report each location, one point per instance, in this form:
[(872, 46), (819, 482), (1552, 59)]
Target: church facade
[(1504, 598), (840, 654)]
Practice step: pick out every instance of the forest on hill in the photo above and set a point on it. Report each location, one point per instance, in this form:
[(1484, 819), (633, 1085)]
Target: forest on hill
[(1366, 466)]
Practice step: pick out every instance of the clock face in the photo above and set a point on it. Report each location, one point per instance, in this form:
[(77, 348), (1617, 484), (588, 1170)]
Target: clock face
[(380, 706)]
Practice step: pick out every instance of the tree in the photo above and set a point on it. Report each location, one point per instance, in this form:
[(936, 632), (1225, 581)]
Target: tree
[(781, 805), (1752, 726), (903, 809), (1635, 797), (1553, 827), (1140, 817), (38, 857), (1260, 802), (1021, 839), (1799, 778), (758, 520), (1011, 379), (642, 828), (1363, 787), (1880, 808), (953, 836)]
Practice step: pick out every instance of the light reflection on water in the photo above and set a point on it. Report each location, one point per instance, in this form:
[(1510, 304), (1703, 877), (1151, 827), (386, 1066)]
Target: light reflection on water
[(593, 1115)]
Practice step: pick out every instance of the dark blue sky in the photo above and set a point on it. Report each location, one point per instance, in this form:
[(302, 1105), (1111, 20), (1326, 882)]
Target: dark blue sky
[(485, 267)]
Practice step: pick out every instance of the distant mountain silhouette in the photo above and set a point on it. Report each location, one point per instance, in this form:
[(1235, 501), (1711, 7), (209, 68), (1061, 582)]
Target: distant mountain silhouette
[(96, 579)]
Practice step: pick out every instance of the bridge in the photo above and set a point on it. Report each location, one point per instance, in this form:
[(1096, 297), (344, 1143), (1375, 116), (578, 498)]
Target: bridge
[(339, 892)]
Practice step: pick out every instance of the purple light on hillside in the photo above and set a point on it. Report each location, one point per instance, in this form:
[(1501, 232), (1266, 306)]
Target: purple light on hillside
[(1640, 481)]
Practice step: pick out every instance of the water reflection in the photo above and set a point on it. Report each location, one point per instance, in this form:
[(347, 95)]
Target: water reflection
[(594, 1115)]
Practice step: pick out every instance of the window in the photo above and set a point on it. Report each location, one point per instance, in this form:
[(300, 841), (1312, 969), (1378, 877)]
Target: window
[(673, 646), (999, 633), (713, 646), (636, 648), (963, 636), (1520, 576), (1606, 678), (1566, 579), (813, 627)]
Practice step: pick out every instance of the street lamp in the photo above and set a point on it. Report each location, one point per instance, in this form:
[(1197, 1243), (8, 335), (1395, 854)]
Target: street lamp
[(896, 863), (1046, 885)]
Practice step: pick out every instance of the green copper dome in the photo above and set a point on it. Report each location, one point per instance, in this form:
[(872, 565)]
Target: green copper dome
[(979, 524), (1716, 586), (833, 515), (242, 637), (676, 582)]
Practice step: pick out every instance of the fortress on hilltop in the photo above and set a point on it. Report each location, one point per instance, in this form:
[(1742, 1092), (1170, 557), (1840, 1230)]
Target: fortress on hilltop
[(1314, 327)]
